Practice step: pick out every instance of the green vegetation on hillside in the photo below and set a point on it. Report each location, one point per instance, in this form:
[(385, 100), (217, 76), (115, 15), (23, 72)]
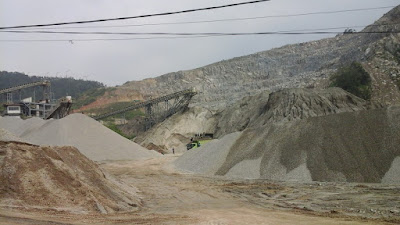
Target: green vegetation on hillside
[(115, 128), (60, 87), (117, 106), (88, 97), (354, 79)]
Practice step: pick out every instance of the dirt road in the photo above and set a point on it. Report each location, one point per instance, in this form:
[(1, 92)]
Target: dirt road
[(169, 197)]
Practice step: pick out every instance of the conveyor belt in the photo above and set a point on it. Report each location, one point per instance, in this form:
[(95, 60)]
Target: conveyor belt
[(23, 86), (188, 92)]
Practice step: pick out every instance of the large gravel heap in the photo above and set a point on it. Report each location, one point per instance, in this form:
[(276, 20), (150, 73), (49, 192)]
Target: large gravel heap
[(286, 105), (91, 138), (59, 178), (304, 135)]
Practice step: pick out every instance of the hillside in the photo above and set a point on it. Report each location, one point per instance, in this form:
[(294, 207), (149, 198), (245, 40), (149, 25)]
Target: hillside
[(59, 86), (307, 64)]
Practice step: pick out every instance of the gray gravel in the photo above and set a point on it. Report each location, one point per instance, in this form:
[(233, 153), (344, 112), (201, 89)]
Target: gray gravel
[(208, 158), (94, 140), (361, 146)]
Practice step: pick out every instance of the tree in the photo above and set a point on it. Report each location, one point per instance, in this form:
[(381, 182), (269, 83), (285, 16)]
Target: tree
[(354, 79)]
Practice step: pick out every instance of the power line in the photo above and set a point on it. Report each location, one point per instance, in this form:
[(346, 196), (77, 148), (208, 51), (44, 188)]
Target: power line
[(135, 17), (171, 33), (227, 20), (106, 39), (193, 35), (203, 35), (315, 29)]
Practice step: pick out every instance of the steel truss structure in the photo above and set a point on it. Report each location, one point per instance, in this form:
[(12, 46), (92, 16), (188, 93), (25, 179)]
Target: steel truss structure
[(158, 109)]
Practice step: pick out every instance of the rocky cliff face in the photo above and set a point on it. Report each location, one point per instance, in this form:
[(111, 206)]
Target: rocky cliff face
[(291, 66)]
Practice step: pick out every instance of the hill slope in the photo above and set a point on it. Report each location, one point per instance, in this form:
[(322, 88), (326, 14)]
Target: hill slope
[(59, 86), (300, 65)]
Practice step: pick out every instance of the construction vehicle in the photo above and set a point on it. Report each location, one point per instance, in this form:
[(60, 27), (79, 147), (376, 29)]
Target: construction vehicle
[(193, 144), (199, 140)]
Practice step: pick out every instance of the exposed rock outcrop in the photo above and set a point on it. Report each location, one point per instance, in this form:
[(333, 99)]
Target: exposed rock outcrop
[(293, 66)]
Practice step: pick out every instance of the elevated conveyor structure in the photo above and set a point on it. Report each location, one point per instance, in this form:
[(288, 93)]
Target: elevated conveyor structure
[(158, 109), (45, 108), (44, 83), (60, 110)]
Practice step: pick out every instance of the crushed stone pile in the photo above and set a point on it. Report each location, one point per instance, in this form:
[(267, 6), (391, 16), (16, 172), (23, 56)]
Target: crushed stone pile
[(322, 139), (286, 105), (61, 179), (18, 126), (291, 104), (94, 140), (208, 159)]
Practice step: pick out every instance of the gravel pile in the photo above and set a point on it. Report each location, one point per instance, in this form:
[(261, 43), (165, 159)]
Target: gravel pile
[(91, 138), (392, 175), (359, 145), (209, 157), (20, 127)]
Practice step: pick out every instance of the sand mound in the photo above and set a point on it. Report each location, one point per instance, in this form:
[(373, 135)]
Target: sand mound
[(58, 178), (94, 140), (332, 139), (8, 136)]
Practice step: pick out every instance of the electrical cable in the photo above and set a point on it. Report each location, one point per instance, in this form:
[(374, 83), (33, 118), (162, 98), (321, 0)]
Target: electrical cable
[(189, 34), (192, 36), (200, 35), (223, 20), (135, 17)]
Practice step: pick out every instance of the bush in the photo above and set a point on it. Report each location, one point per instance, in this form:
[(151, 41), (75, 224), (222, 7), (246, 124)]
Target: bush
[(354, 79), (116, 129)]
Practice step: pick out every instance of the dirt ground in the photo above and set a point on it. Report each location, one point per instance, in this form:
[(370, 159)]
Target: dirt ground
[(169, 197)]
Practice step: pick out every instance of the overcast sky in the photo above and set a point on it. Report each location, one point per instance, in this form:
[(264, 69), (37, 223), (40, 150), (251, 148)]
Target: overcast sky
[(115, 62)]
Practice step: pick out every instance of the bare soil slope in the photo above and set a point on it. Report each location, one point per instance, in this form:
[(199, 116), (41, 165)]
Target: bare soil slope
[(59, 179)]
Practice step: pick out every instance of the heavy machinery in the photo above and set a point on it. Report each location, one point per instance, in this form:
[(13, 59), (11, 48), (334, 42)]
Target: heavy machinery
[(193, 144), (198, 140)]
